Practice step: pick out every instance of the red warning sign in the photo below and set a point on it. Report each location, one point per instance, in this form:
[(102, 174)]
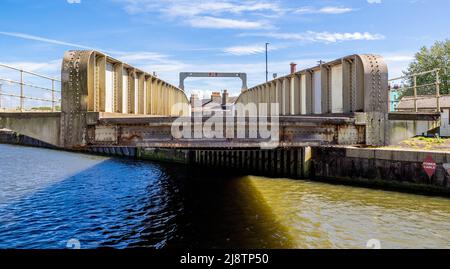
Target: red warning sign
[(429, 166)]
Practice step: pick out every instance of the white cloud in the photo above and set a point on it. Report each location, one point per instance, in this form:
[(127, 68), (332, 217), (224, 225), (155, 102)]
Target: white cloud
[(397, 62), (51, 68), (74, 1), (148, 61), (124, 56), (43, 39), (245, 50), (324, 10), (224, 14), (374, 1), (248, 49), (198, 8), (151, 61), (337, 37), (141, 56), (223, 23), (323, 37), (399, 58)]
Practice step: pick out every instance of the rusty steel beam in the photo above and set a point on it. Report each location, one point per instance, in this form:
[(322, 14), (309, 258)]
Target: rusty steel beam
[(294, 131)]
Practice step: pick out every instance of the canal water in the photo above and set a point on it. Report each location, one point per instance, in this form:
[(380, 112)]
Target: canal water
[(49, 198)]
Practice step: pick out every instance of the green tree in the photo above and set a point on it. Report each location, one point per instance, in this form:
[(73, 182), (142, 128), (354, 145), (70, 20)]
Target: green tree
[(437, 56)]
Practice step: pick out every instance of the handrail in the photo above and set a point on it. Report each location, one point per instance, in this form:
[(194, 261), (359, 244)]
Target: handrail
[(416, 74), (414, 86), (22, 84), (28, 72), (29, 97), (26, 84)]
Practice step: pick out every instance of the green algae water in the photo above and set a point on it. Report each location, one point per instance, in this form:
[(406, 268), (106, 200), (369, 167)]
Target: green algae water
[(50, 198)]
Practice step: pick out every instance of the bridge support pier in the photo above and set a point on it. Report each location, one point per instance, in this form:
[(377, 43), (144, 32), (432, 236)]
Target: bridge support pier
[(288, 162)]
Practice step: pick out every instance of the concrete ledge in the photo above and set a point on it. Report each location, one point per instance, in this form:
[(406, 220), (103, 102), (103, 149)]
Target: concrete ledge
[(43, 126), (383, 154), (422, 116), (360, 153), (398, 155), (437, 157), (406, 156), (383, 167), (13, 138)]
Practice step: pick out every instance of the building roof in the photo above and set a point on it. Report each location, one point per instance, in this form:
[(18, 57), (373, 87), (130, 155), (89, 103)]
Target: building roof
[(423, 102), (215, 105), (211, 105)]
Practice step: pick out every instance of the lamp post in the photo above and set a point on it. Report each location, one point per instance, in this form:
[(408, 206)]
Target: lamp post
[(1, 96), (267, 63)]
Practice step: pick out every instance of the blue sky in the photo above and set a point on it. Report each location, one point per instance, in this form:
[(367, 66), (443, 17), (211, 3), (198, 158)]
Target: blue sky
[(170, 36)]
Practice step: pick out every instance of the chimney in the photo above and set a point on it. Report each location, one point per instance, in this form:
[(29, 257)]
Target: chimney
[(216, 97), (195, 101), (224, 98), (293, 68)]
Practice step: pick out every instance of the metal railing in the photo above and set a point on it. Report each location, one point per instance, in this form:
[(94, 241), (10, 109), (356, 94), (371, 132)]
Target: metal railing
[(410, 82), (22, 84)]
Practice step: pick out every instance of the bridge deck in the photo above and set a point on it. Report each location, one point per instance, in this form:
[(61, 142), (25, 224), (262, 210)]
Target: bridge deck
[(111, 118), (108, 129), (119, 130)]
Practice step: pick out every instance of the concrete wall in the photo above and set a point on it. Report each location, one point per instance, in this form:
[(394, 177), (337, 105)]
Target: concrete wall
[(41, 126), (382, 167), (400, 130), (445, 123), (13, 138)]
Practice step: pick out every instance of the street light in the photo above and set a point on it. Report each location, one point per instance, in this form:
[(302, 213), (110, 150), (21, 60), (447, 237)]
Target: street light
[(267, 63)]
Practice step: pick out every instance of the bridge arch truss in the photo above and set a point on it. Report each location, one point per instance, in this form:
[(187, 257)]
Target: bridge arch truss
[(357, 83), (95, 82)]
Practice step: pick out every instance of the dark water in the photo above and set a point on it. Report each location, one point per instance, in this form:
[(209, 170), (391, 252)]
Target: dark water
[(48, 198)]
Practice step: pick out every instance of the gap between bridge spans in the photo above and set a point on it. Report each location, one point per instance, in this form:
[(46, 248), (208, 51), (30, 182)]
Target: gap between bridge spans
[(251, 122)]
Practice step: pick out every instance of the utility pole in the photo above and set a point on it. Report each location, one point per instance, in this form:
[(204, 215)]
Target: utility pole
[(267, 63), (1, 96)]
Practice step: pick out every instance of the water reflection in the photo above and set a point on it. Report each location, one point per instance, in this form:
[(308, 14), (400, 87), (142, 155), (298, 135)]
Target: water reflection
[(330, 216), (56, 196)]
